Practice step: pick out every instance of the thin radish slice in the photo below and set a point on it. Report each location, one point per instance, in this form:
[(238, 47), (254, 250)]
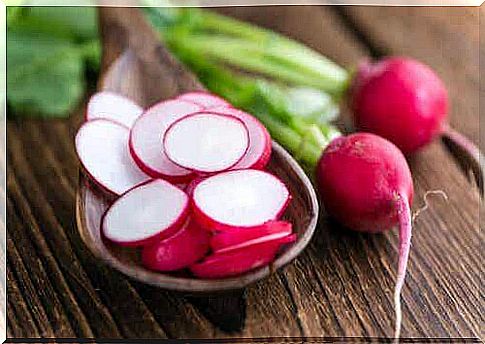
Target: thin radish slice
[(102, 147), (274, 239), (206, 142), (112, 106), (259, 151), (146, 138), (205, 99), (145, 214), (236, 262), (229, 240), (179, 251), (239, 199)]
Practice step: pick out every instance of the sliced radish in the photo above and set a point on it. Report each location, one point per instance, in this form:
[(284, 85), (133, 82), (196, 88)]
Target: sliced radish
[(205, 99), (235, 262), (239, 199), (102, 147), (229, 240), (146, 138), (112, 106), (179, 251), (206, 142), (259, 151), (145, 214)]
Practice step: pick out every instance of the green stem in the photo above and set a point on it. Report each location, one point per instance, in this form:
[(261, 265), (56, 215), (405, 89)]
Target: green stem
[(283, 46), (269, 58)]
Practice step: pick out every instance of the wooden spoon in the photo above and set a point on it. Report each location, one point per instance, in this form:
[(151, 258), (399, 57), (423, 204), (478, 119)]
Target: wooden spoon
[(136, 65)]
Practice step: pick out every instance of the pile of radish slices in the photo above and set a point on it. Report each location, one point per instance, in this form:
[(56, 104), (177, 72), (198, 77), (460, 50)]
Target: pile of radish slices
[(190, 183)]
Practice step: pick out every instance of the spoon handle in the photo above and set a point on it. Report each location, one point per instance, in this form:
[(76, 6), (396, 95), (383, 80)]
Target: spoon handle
[(135, 63)]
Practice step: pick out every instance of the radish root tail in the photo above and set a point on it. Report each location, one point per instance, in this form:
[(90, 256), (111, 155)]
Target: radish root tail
[(405, 232), (426, 203), (473, 153)]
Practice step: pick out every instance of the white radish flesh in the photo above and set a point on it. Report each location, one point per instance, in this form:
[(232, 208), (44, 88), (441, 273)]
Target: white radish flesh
[(239, 199), (146, 140), (206, 142), (259, 150), (112, 106), (147, 213), (102, 147), (205, 99)]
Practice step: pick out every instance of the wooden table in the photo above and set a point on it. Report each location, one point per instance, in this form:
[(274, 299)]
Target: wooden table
[(341, 286)]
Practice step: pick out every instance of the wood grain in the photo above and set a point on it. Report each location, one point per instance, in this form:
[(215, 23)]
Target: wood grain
[(340, 286)]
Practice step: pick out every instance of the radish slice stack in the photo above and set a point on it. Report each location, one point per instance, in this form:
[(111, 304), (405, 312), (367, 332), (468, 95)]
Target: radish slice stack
[(189, 173)]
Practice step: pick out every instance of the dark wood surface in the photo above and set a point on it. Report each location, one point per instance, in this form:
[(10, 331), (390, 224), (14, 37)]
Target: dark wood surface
[(340, 286)]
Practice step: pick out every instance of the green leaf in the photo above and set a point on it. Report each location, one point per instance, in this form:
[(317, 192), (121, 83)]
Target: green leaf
[(45, 74), (74, 23)]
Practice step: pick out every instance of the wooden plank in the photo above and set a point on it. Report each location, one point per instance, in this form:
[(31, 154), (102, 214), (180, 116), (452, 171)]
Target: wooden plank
[(20, 321), (51, 199), (48, 273), (343, 283)]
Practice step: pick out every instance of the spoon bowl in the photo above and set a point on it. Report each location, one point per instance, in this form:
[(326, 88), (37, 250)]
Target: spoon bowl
[(135, 64)]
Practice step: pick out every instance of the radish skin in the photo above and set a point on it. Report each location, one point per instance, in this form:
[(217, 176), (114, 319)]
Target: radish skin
[(179, 251), (365, 183), (236, 262), (269, 239), (271, 230), (401, 100)]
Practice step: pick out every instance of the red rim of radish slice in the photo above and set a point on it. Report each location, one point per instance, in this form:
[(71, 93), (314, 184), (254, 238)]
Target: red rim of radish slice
[(259, 151), (178, 251), (220, 214), (146, 137), (112, 106), (152, 223), (236, 262), (229, 240), (204, 99), (105, 150), (227, 136), (274, 239)]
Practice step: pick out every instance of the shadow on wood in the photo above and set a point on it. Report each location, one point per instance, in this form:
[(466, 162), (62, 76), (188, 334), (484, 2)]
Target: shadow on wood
[(226, 311)]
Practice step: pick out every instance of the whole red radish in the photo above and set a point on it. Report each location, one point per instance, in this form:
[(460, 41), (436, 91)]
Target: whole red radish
[(365, 183), (401, 100)]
